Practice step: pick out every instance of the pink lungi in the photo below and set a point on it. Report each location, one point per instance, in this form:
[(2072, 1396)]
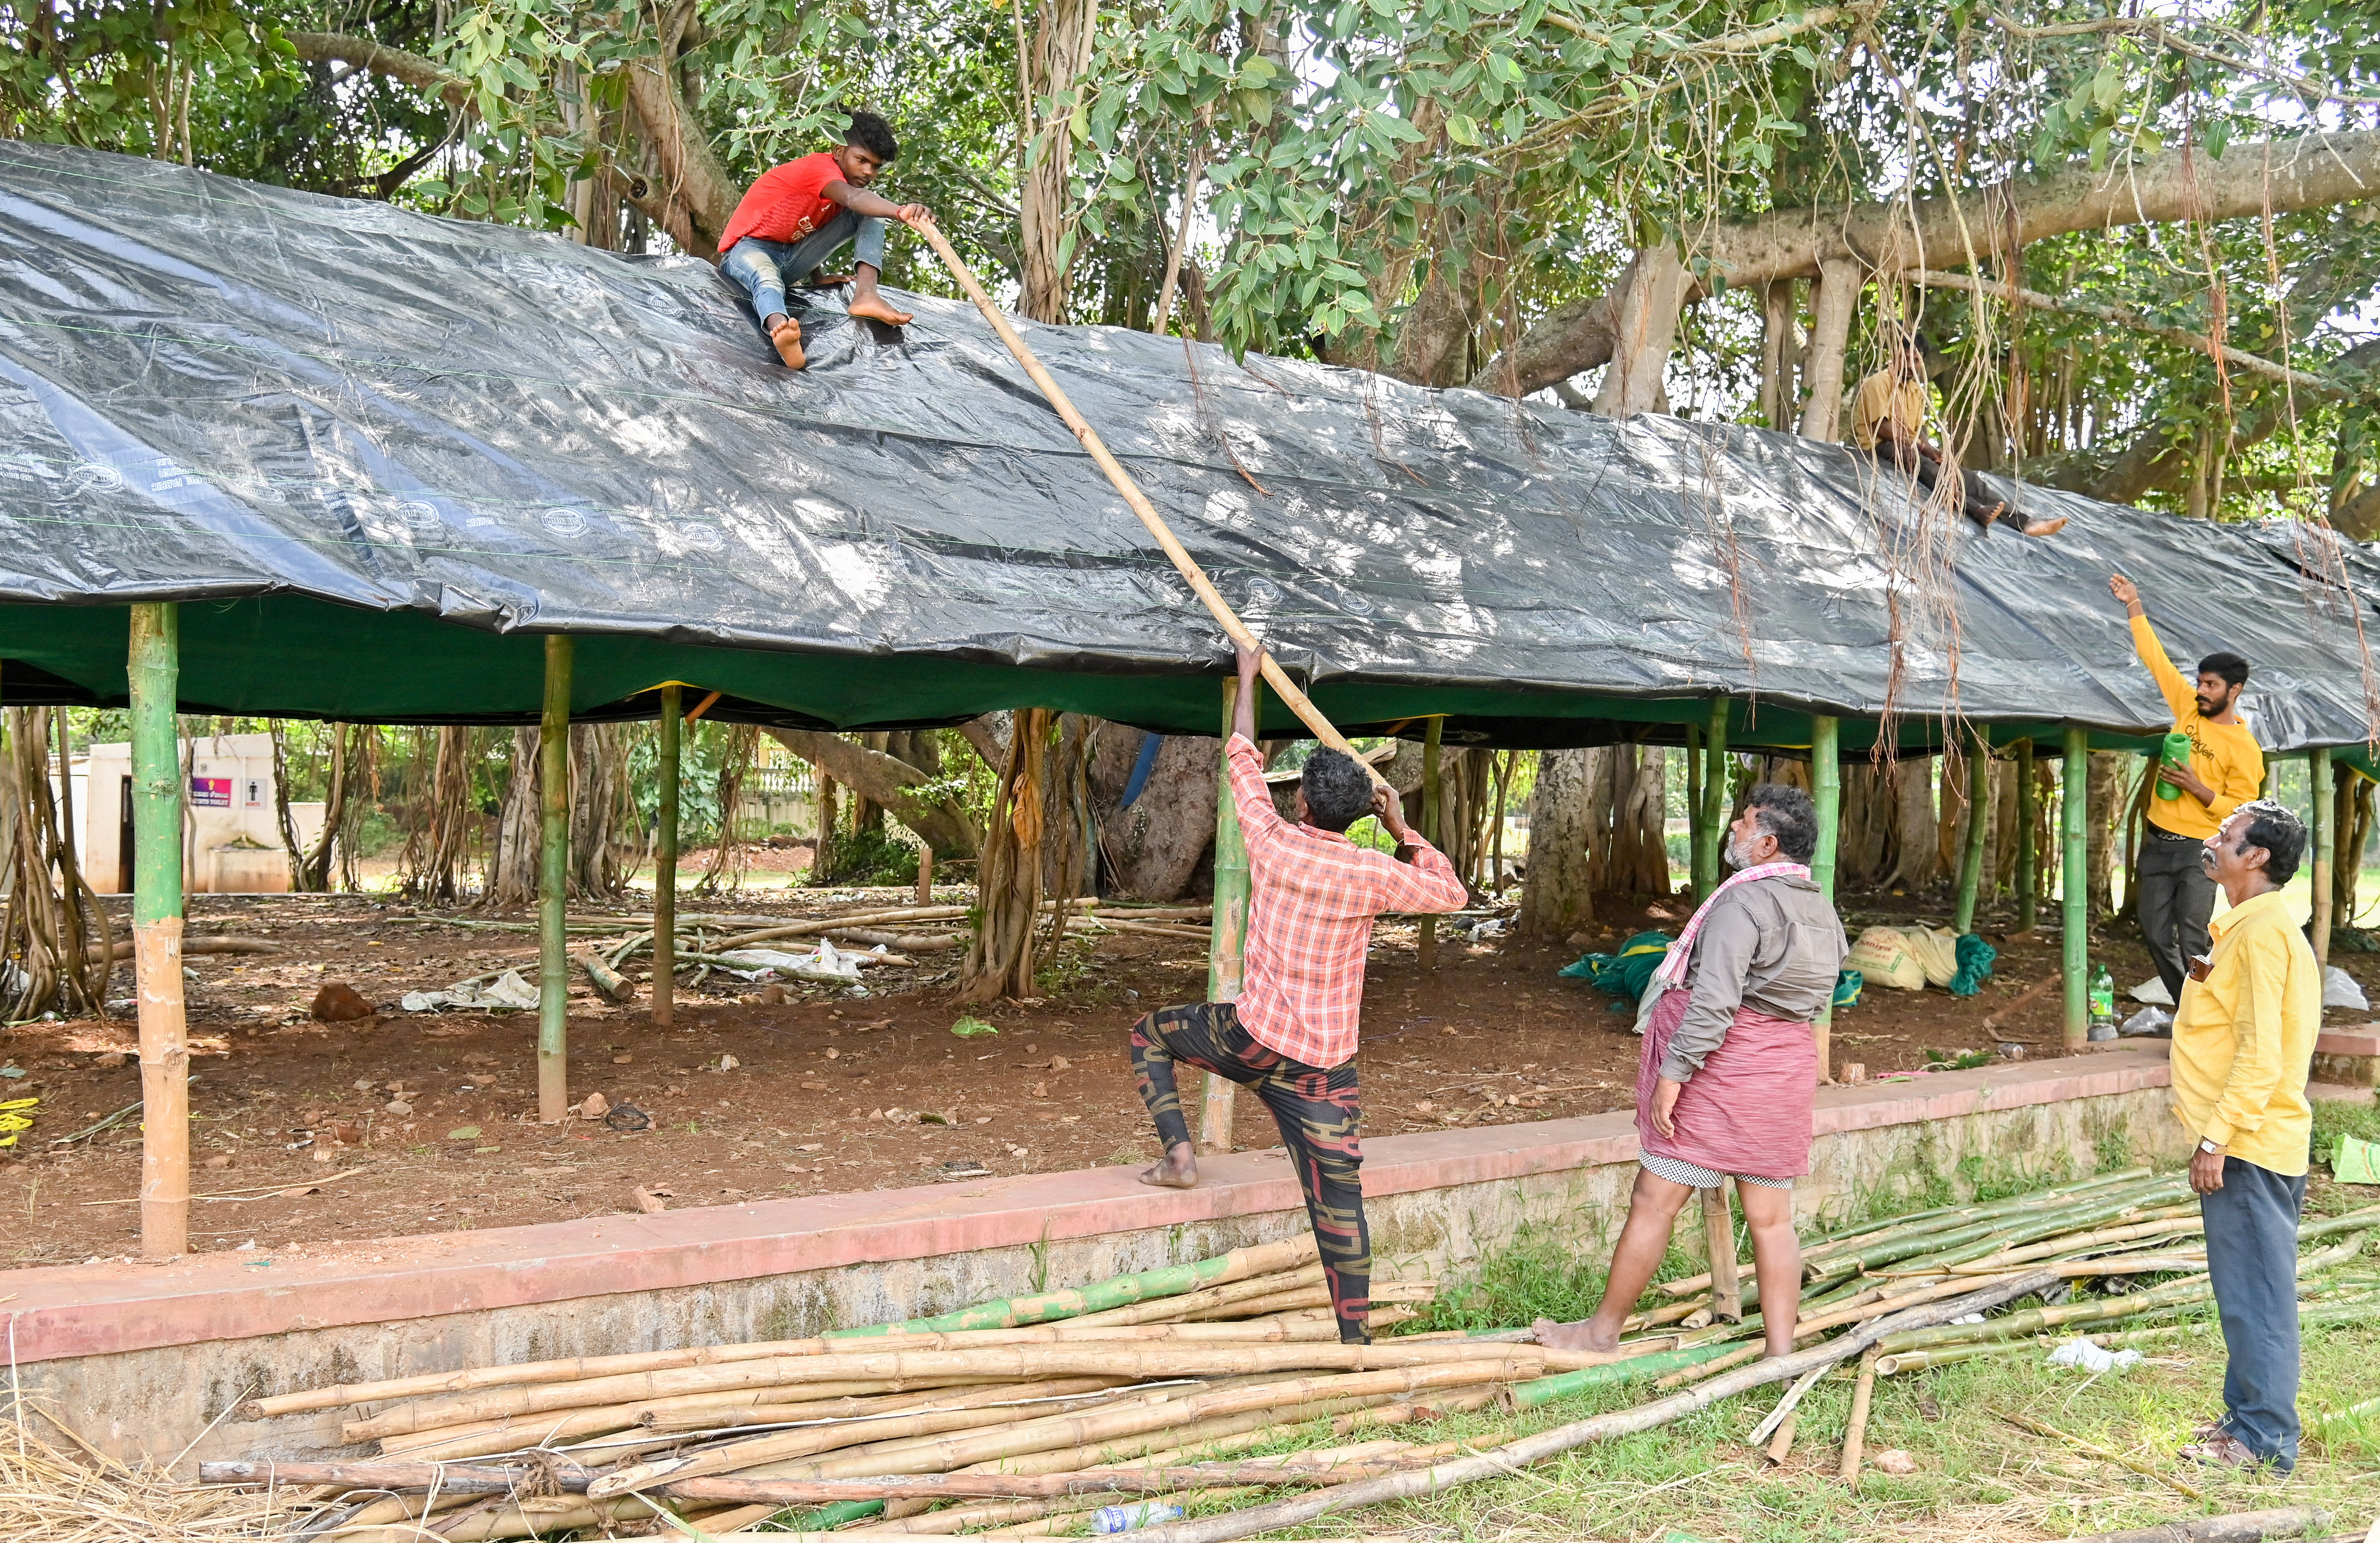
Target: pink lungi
[(1748, 1111)]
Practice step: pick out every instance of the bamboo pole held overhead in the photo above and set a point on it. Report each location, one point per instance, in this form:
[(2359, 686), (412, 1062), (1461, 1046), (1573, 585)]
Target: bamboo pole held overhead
[(155, 677), (1192, 574), (1227, 941), (673, 723), (553, 886), (2075, 885)]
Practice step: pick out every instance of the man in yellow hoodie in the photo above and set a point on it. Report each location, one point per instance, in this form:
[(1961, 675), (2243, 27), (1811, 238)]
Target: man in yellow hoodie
[(2226, 769), (2243, 1044)]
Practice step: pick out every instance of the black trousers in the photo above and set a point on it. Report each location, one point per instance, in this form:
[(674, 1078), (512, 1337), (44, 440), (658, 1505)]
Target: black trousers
[(1930, 472), (2177, 901), (1317, 1111)]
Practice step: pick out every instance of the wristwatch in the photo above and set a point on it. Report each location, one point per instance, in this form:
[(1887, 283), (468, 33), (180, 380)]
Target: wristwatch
[(2212, 1148)]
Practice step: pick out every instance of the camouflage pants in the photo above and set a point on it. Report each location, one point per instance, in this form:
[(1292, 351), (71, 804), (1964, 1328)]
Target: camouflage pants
[(1316, 1110)]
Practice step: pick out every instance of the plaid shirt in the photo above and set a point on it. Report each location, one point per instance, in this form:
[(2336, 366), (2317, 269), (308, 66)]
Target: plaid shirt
[(1313, 895)]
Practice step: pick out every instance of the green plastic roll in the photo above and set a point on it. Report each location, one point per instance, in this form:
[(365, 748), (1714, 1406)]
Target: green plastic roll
[(2175, 753)]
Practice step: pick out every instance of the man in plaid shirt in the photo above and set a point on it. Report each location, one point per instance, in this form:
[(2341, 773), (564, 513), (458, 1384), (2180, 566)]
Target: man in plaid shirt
[(1292, 1035)]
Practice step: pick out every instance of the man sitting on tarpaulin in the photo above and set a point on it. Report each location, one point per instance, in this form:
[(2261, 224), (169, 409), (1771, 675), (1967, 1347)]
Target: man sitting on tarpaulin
[(800, 214), (1291, 1037)]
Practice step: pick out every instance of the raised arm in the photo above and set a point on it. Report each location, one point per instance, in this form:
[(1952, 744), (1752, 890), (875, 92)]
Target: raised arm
[(2180, 695)]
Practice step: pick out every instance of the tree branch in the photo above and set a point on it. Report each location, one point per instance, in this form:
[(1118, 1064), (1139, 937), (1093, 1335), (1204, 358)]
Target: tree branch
[(890, 780), (2034, 299), (424, 74), (2184, 182)]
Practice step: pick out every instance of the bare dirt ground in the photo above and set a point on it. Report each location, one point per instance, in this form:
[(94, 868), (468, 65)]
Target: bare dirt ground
[(823, 1093)]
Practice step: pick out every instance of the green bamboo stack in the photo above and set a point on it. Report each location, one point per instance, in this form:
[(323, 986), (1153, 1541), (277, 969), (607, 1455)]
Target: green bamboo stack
[(1025, 1415)]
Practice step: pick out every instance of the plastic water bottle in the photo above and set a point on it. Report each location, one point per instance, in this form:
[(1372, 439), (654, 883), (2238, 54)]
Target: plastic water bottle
[(2103, 1003), (1123, 1518)]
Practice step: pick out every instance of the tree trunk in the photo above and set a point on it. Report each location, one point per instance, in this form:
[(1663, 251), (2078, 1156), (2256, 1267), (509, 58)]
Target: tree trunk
[(1061, 49), (725, 870), (439, 844), (2353, 813), (53, 934), (1000, 961), (1151, 848), (512, 877), (1648, 326), (890, 782), (2108, 806), (1557, 893), (1834, 299), (1918, 858), (1780, 354)]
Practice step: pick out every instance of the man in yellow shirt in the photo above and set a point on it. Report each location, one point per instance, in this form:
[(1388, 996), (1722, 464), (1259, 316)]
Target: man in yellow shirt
[(2243, 1044), (2225, 771), (1888, 413)]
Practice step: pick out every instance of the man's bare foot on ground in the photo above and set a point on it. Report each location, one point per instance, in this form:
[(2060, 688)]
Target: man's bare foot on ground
[(1573, 1336), (786, 334), (2044, 527), (1179, 1171), (876, 309)]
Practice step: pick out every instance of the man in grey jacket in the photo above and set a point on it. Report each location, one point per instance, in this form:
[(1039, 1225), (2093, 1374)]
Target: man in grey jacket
[(1727, 1080)]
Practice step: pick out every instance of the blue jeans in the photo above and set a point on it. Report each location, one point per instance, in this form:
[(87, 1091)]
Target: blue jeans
[(2251, 1257), (764, 268)]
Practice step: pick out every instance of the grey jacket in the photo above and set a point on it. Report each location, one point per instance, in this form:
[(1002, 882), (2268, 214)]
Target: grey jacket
[(1774, 945)]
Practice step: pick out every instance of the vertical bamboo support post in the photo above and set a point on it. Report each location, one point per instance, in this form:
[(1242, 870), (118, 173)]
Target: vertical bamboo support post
[(672, 728), (553, 885), (1714, 797), (1432, 735), (1719, 1242), (155, 668), (925, 895), (2028, 857), (1229, 938), (1971, 856), (1695, 882), (2326, 837), (1827, 804), (2074, 884)]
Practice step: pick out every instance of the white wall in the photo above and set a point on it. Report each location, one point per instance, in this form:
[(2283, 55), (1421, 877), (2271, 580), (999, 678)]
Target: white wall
[(232, 815)]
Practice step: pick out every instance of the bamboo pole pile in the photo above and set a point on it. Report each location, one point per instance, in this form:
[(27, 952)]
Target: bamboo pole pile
[(1021, 1416), (1021, 1412)]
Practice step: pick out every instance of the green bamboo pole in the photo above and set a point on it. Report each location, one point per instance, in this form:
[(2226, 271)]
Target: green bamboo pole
[(1228, 938), (2028, 865), (1971, 858), (2325, 837), (1696, 879), (1715, 796), (2075, 886), (154, 668), (1636, 1368), (672, 727), (1023, 1312), (553, 886), (1827, 802), (1432, 735)]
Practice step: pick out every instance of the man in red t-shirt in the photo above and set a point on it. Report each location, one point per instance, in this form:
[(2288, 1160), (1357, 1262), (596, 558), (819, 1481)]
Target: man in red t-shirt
[(800, 214)]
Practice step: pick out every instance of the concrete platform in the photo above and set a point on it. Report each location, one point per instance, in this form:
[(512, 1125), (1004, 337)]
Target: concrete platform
[(142, 1357), (2349, 1056)]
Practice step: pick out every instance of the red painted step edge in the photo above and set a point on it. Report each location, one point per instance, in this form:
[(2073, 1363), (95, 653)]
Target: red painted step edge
[(105, 1309)]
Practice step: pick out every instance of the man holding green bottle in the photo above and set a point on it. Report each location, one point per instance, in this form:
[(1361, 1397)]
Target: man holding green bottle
[(2224, 768)]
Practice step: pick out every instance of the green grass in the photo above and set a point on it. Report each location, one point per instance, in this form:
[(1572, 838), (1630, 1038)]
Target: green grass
[(1977, 1476)]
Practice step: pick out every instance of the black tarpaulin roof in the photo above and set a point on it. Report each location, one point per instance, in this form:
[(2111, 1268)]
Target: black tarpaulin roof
[(379, 453)]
